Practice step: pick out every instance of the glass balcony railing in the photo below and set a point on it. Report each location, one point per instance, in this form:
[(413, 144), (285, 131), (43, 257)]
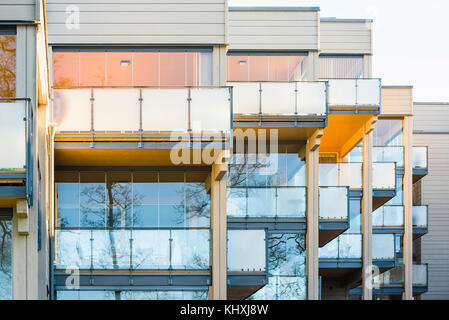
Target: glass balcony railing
[(345, 246), (420, 157), (389, 154), (266, 202), (14, 128), (334, 203), (389, 217), (354, 92), (143, 109), (247, 250), (280, 98), (348, 174), (420, 275), (158, 249), (383, 247), (384, 175), (420, 216)]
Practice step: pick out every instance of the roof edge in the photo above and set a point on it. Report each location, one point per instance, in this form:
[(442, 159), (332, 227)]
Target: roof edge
[(280, 8)]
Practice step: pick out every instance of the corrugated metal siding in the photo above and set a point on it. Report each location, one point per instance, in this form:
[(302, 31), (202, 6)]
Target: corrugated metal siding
[(138, 22), (397, 101), (18, 10), (345, 37), (435, 193), (273, 30)]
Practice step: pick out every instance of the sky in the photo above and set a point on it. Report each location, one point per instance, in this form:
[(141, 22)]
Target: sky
[(411, 39)]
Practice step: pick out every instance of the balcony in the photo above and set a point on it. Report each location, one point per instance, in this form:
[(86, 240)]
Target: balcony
[(420, 221), (384, 251), (333, 213), (247, 262), (384, 183), (279, 104), (143, 257), (388, 219), (420, 163), (389, 154), (16, 136), (391, 282), (348, 96), (273, 208)]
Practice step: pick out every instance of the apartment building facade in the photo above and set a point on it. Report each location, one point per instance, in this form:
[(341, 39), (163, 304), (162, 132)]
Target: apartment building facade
[(178, 150)]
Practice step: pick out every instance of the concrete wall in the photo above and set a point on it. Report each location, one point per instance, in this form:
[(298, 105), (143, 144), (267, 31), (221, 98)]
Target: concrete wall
[(431, 128)]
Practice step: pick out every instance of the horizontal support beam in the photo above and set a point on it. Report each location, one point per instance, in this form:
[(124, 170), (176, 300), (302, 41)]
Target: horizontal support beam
[(12, 191)]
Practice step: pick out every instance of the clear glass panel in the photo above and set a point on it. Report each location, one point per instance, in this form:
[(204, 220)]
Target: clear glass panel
[(262, 202), (420, 216), (151, 249), (197, 206), (384, 175), (6, 275), (119, 199), (12, 135), (383, 247), (190, 249), (172, 211), (282, 288), (342, 67), (350, 246), (210, 109), (111, 249), (247, 250), (236, 202), (73, 249), (116, 109), (333, 204), (330, 250), (420, 157), (93, 200), (158, 103), (146, 199), (398, 199), (287, 254)]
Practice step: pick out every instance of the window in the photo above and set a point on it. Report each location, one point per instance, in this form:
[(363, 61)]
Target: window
[(340, 67), (266, 67), (388, 132), (5, 259), (133, 68), (7, 62)]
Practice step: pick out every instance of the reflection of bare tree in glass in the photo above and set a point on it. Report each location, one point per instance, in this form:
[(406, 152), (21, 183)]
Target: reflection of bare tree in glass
[(7, 66), (5, 257)]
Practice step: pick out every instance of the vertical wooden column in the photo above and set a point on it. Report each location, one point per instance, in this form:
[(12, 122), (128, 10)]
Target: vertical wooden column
[(408, 207), (312, 66), (312, 238), (367, 208), (218, 290)]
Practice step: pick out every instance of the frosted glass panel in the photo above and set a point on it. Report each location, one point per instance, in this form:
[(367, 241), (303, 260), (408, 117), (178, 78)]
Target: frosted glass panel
[(291, 202), (419, 157), (246, 97), (351, 175), (246, 250), (111, 249), (73, 249), (384, 175), (333, 203), (72, 109), (383, 246), (278, 97), (420, 216), (164, 110), (12, 135), (350, 246), (389, 216), (419, 274), (368, 92), (328, 174), (311, 98), (342, 92), (116, 110), (210, 109)]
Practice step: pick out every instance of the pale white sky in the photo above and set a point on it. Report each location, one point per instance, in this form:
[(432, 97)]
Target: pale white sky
[(411, 39)]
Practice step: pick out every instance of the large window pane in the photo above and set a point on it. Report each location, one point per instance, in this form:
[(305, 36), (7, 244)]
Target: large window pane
[(334, 67), (145, 195), (388, 132), (67, 195), (92, 69), (5, 259), (146, 68), (66, 68), (119, 199), (7, 65), (119, 69), (93, 199)]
